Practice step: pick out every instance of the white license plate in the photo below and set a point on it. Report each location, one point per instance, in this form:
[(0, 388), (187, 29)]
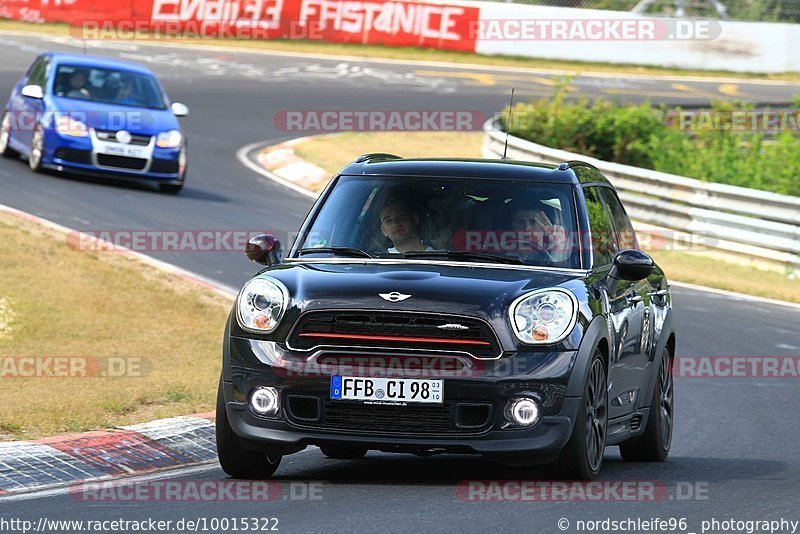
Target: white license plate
[(124, 150), (387, 390)]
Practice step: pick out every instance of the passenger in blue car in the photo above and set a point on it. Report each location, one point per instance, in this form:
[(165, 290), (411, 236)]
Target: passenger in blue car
[(125, 94)]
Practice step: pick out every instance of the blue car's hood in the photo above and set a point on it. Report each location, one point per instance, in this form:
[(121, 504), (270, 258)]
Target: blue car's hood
[(101, 116)]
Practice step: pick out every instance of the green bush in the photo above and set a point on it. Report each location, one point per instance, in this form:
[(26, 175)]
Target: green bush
[(642, 135)]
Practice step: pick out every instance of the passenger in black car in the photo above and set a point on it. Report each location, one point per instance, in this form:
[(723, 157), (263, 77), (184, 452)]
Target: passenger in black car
[(538, 236)]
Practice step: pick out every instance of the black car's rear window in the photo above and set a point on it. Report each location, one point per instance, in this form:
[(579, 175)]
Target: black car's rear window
[(396, 216)]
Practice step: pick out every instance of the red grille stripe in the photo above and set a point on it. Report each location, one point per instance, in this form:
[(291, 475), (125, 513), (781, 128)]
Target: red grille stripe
[(449, 341)]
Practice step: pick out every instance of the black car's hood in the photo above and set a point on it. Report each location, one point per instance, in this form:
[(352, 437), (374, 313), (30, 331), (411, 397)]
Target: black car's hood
[(466, 290)]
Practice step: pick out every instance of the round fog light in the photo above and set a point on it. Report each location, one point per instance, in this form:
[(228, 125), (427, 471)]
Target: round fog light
[(264, 401), (522, 411)]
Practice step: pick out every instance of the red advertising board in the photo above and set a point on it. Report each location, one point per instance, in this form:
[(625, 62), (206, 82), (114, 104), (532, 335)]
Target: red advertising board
[(387, 22)]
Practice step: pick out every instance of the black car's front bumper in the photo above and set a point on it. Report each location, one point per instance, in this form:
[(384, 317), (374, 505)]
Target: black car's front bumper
[(413, 428)]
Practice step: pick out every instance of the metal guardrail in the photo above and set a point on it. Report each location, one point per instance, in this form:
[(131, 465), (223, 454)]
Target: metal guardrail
[(755, 224)]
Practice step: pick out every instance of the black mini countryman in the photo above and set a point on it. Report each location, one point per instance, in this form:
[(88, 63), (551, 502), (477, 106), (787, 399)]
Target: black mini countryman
[(500, 308)]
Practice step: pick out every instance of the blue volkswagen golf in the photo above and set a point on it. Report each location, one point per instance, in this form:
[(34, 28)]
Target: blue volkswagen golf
[(95, 116)]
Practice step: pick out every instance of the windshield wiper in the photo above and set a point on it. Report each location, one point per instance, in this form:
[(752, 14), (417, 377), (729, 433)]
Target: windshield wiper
[(465, 254), (337, 251)]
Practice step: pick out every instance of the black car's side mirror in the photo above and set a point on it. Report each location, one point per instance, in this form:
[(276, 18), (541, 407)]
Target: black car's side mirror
[(264, 249), (632, 264)]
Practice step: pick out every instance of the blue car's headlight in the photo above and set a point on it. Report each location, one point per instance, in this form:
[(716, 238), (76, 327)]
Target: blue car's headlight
[(544, 316), (169, 139), (66, 125), (261, 304)]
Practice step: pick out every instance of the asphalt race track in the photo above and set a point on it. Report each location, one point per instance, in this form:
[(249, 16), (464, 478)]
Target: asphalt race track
[(734, 453)]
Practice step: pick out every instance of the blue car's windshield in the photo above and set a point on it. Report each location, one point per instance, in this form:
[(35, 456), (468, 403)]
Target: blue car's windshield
[(109, 86), (446, 218)]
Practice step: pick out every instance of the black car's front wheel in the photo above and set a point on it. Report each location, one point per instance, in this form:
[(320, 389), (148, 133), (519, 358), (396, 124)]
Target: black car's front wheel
[(236, 460), (654, 444), (582, 457)]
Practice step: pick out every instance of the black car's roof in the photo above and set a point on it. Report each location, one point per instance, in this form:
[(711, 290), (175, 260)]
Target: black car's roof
[(389, 165)]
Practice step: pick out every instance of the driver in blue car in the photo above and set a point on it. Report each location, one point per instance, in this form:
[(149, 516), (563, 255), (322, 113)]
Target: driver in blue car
[(77, 85)]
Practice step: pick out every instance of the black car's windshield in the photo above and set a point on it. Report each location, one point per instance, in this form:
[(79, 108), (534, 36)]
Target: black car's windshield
[(109, 86), (470, 220)]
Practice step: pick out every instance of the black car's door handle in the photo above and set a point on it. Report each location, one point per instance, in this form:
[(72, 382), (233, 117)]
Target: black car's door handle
[(659, 293)]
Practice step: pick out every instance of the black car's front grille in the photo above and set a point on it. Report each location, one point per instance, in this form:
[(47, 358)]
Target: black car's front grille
[(383, 418), (165, 166), (121, 162), (138, 140), (74, 156), (395, 330)]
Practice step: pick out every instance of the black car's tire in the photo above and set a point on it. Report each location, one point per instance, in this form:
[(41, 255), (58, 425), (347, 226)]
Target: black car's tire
[(235, 460), (5, 133), (37, 150), (582, 456), (654, 444), (171, 189), (343, 452)]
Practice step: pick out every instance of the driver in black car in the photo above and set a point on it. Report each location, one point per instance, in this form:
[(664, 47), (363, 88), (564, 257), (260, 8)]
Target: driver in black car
[(400, 224)]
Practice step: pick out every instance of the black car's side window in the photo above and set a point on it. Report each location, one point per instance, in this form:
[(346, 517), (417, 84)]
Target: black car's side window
[(38, 72), (604, 246), (626, 237)]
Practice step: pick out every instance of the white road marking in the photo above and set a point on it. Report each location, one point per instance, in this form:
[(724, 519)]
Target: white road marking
[(738, 296)]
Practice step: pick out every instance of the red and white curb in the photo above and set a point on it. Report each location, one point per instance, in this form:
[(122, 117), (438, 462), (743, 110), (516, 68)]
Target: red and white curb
[(106, 454), (282, 161)]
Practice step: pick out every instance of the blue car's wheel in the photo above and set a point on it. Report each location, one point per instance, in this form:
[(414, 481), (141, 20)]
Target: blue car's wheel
[(5, 137), (37, 150)]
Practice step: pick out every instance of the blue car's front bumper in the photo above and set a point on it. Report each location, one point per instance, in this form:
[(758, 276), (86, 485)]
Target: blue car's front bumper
[(80, 155)]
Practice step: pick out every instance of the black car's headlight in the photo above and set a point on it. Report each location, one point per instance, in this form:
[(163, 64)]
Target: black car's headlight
[(544, 316), (260, 305)]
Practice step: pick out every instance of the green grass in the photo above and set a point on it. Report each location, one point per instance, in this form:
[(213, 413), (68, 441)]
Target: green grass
[(61, 302)]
